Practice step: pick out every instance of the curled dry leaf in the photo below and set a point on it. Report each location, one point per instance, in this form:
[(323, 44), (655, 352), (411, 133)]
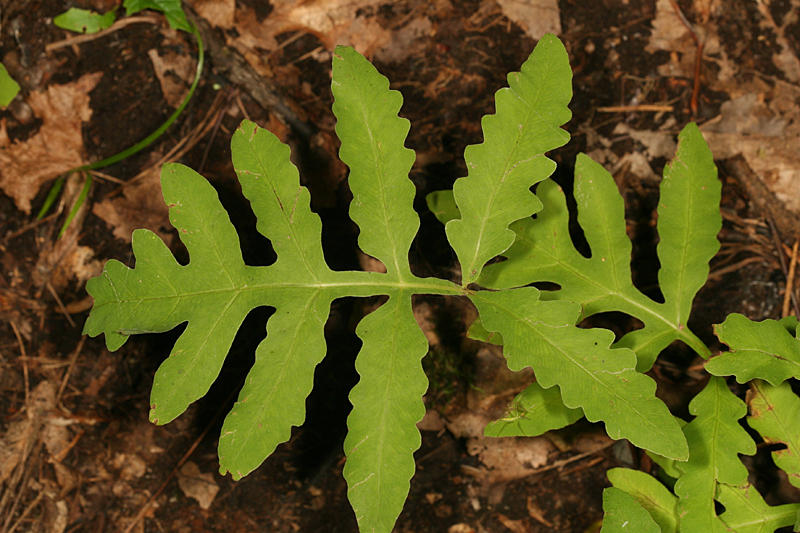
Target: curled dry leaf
[(56, 148)]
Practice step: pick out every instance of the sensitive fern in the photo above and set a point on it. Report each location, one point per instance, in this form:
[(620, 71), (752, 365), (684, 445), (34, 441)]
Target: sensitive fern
[(579, 371)]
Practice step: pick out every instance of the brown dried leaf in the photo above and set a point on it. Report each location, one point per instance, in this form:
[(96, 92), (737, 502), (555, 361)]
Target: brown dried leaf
[(57, 147), (198, 485), (220, 13), (174, 72), (140, 206), (536, 17)]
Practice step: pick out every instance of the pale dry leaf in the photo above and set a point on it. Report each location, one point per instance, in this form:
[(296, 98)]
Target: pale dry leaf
[(56, 148), (140, 206), (535, 17), (198, 485), (21, 434), (174, 72), (768, 142), (657, 143), (407, 41), (220, 13), (331, 21)]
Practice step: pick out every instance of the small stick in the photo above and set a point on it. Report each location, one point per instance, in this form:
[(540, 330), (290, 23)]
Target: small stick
[(78, 39), (24, 360), (698, 58), (776, 238), (787, 296), (61, 307), (72, 360), (634, 108)]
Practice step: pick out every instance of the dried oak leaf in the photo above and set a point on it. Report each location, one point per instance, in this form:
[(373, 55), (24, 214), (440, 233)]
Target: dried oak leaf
[(56, 148)]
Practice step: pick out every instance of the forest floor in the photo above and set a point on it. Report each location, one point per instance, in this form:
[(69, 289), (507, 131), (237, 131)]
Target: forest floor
[(77, 452)]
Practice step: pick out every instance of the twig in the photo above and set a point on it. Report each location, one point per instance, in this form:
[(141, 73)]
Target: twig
[(634, 108), (60, 304), (776, 238), (787, 297), (72, 360), (78, 39), (24, 358), (31, 506), (719, 272), (30, 226), (698, 58)]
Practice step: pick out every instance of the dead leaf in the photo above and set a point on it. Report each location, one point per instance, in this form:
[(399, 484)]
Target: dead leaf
[(197, 485), (174, 72), (767, 141), (331, 21), (19, 438), (140, 206), (535, 17), (220, 13), (56, 148)]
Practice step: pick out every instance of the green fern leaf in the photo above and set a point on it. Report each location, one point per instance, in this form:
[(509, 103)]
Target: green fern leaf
[(715, 440), (651, 495), (747, 512), (624, 513), (775, 414), (533, 411), (758, 350), (544, 250), (511, 158), (382, 436), (688, 222), (599, 380), (215, 291)]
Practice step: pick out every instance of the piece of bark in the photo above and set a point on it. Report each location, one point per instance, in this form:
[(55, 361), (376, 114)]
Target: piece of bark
[(765, 201), (230, 64)]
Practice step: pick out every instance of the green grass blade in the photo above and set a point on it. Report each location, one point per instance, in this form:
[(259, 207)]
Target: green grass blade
[(600, 380), (79, 201), (387, 404), (758, 350), (511, 158), (775, 414), (688, 223), (372, 138)]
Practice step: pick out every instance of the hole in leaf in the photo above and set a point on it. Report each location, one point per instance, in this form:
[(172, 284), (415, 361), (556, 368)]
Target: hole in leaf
[(565, 177), (618, 322)]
